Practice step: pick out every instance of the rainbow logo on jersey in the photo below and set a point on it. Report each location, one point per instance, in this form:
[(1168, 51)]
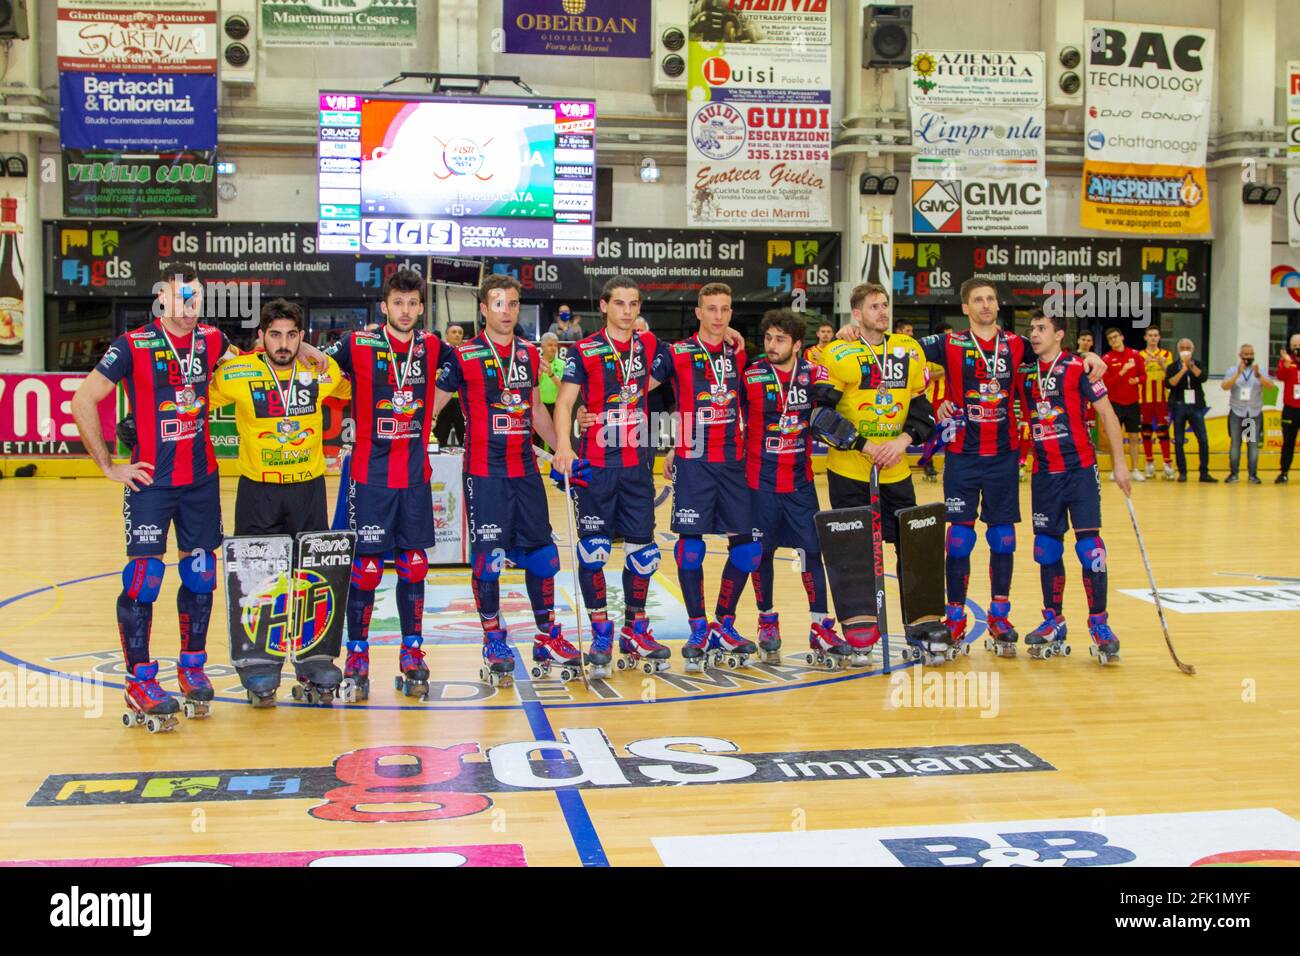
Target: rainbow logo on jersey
[(882, 407), (511, 402), (988, 396), (287, 432), (406, 409), (187, 405), (717, 395)]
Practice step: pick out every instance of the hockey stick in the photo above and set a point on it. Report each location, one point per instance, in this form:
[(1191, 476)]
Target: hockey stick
[(878, 560), (573, 558), (1155, 594)]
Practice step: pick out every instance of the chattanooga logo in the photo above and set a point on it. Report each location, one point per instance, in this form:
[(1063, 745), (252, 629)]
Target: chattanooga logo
[(411, 783)]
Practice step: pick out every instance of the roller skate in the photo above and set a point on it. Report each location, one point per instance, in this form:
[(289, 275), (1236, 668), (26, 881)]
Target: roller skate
[(356, 672), (194, 684), (769, 638), (498, 660), (826, 648), (694, 651), (317, 681), (930, 473), (148, 705), (260, 683), (602, 648), (1151, 473), (414, 679), (954, 619), (1002, 636), (1047, 640), (931, 643), (1105, 645), (552, 650), (637, 647), (1169, 472), (862, 640), (726, 645)]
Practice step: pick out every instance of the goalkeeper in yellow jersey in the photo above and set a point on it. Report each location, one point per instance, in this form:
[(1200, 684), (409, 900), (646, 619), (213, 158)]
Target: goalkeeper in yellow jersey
[(877, 386)]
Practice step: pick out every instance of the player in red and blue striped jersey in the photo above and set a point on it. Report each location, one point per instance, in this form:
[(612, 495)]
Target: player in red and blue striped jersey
[(609, 372), (390, 506), (165, 367), (778, 468), (496, 374), (707, 468), (982, 366), (1057, 393)]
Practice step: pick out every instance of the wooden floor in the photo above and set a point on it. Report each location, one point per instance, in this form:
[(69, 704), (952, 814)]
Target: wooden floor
[(791, 751)]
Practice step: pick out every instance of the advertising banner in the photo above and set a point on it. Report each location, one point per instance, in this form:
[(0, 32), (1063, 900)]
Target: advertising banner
[(36, 415), (109, 184), (758, 117), (929, 270), (137, 36), (1147, 121), (1293, 151), (590, 28), (979, 131), (137, 112), (314, 23)]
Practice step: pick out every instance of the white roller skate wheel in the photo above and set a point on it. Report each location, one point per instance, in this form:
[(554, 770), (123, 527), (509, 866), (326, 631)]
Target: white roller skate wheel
[(153, 725), (1066, 650), (808, 658), (536, 672), (128, 720)]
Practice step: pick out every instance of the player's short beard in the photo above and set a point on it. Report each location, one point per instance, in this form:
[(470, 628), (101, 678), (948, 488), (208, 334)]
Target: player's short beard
[(274, 356)]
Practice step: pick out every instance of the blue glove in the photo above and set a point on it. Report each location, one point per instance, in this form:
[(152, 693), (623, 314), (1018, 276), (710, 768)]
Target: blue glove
[(579, 474)]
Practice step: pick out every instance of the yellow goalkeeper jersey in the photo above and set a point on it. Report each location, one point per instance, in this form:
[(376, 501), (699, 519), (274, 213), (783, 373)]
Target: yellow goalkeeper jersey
[(876, 386)]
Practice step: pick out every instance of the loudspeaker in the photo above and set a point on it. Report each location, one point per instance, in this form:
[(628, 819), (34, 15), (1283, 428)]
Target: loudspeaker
[(13, 20), (887, 36), (237, 41), (668, 46), (1063, 49)]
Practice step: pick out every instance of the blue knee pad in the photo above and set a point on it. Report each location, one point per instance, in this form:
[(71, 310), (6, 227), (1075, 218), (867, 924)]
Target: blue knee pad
[(1048, 550), (544, 562), (486, 565), (961, 540), (199, 572), (142, 579), (690, 553), (746, 557), (641, 559), (1092, 552), (593, 552), (1001, 538)]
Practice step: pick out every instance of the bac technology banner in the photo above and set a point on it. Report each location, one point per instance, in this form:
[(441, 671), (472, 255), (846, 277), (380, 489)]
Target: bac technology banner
[(137, 36), (1148, 118), (758, 116), (978, 129)]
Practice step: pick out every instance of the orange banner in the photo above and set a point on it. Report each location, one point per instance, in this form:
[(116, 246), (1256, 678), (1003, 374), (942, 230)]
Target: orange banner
[(1159, 200)]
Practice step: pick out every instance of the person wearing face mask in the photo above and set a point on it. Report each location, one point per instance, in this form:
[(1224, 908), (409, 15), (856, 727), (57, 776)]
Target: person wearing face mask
[(1186, 380), (566, 327), (1244, 384), (1288, 379)]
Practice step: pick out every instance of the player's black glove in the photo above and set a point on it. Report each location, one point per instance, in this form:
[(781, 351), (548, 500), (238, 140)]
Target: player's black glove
[(126, 436), (835, 429), (579, 474)]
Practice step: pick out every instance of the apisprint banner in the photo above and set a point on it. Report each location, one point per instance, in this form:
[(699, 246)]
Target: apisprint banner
[(1148, 118), (758, 106), (978, 129)]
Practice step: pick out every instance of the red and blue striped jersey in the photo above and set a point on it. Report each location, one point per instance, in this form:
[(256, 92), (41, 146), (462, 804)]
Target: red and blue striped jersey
[(777, 436), (613, 380), (166, 381), (392, 422), (706, 382), (983, 380), (496, 384), (1057, 401)]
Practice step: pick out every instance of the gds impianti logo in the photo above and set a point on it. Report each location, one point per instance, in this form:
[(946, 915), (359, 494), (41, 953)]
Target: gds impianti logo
[(718, 130), (936, 206)]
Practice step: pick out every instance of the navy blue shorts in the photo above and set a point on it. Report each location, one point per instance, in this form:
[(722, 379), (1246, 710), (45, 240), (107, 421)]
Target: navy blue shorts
[(618, 503), (996, 479), (786, 519), (507, 513), (710, 497), (1076, 492), (195, 509), (387, 519)]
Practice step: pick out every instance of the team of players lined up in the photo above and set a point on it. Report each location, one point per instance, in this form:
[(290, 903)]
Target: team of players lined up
[(741, 467)]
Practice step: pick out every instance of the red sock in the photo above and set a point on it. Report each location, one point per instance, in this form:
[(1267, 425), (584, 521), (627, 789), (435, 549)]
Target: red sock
[(1146, 445)]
